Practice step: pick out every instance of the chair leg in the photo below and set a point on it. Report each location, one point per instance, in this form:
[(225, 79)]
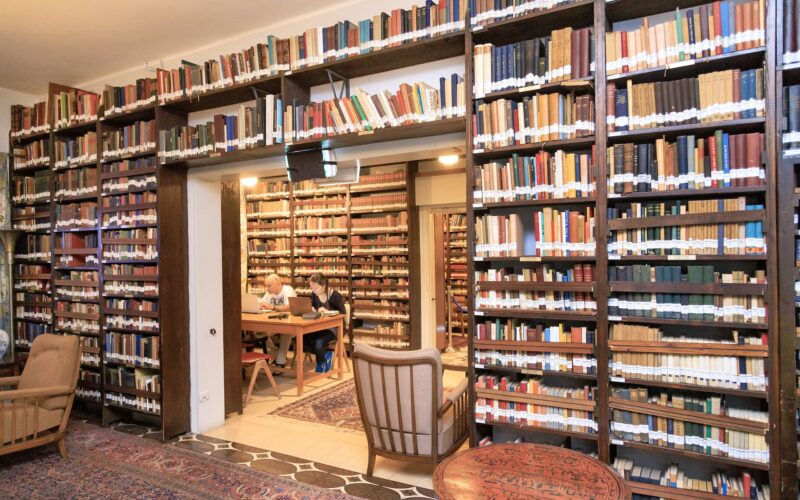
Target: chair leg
[(262, 365), (62, 447), (253, 377), (370, 463)]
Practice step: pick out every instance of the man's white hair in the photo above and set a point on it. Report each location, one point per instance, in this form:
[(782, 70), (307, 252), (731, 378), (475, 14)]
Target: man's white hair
[(272, 277)]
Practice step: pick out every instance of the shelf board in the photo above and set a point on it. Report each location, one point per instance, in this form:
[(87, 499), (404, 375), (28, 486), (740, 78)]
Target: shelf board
[(146, 112), (741, 125), (537, 399), (536, 285), (730, 217), (134, 410), (75, 251), (486, 155), (218, 158), (717, 459), (742, 59), (77, 129), (619, 10), (684, 193), (127, 173), (401, 56), (612, 259), (75, 198), (130, 156), (652, 490), (538, 23), (690, 387), (544, 430), (513, 345), (232, 94), (30, 170), (690, 348), (687, 322), (537, 314), (532, 258), (533, 203), (537, 372), (30, 137), (690, 288), (724, 421), (576, 84)]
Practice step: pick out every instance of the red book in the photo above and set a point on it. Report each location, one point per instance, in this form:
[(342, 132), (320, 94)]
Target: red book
[(752, 156), (624, 37), (715, 10)]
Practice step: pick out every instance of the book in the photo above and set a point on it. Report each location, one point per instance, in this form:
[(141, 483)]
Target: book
[(116, 100), (73, 107), (75, 151), (139, 137), (29, 120)]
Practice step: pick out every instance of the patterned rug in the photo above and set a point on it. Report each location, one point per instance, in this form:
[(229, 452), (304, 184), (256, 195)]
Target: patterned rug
[(337, 406), (104, 463)]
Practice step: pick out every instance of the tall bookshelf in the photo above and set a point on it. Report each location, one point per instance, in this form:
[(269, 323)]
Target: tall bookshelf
[(356, 235), (613, 391), (455, 275)]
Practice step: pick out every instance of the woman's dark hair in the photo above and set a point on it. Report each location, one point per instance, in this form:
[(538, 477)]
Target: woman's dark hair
[(319, 279)]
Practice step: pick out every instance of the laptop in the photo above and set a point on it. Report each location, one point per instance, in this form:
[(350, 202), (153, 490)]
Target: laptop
[(250, 304), (299, 306)]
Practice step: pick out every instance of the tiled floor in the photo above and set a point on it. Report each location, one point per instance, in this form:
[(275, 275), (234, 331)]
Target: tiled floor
[(320, 443)]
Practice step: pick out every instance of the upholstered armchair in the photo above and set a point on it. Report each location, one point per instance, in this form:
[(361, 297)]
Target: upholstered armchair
[(36, 411), (406, 416)]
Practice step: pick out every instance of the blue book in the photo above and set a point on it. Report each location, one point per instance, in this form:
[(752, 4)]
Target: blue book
[(751, 92), (497, 53), (562, 133), (279, 120), (726, 159), (683, 166), (456, 10), (723, 8), (742, 370), (621, 109), (455, 79), (442, 94)]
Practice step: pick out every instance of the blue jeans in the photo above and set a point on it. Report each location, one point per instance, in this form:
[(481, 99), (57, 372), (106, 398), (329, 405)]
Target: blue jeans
[(317, 343)]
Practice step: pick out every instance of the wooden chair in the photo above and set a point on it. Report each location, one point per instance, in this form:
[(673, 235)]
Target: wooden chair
[(334, 345), (405, 414), (257, 361), (36, 412)]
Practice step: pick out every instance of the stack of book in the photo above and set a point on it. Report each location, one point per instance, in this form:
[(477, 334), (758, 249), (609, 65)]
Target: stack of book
[(140, 137), (74, 107), (29, 120), (71, 152), (116, 100)]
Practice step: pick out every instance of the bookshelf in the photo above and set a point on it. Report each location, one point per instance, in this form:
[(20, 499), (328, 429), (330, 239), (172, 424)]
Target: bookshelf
[(359, 236), (455, 274), (506, 270), (548, 275)]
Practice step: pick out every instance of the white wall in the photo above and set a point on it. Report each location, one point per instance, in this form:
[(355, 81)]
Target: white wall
[(7, 99)]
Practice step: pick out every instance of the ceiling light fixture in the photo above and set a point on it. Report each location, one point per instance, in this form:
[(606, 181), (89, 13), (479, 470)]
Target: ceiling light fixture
[(448, 159), (248, 181)]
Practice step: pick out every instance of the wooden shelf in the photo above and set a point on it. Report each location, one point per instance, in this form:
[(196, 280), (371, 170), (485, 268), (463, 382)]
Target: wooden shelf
[(743, 125), (742, 59), (687, 219), (146, 112), (537, 399), (690, 348), (75, 251), (130, 156), (128, 207), (536, 314), (515, 345), (577, 84), (218, 158), (536, 372), (685, 193), (130, 277), (76, 198), (75, 315), (543, 430), (76, 129), (131, 312), (30, 137), (567, 286), (690, 416), (532, 258), (613, 259), (232, 94), (653, 490), (717, 459), (478, 207), (486, 155), (75, 283), (690, 387), (618, 10), (127, 173), (535, 24), (30, 170), (704, 288), (132, 391), (688, 322)]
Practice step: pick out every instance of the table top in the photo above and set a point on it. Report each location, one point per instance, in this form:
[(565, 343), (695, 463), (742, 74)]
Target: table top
[(289, 319), (526, 470)]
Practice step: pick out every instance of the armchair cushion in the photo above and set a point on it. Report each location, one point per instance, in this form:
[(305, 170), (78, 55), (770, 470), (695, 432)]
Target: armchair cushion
[(26, 424), (53, 361)]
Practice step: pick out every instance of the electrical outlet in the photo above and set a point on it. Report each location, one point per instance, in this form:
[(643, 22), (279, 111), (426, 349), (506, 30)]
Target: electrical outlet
[(204, 396)]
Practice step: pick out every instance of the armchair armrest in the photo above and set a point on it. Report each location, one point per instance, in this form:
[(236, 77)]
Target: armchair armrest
[(44, 392), (453, 396), (4, 381)]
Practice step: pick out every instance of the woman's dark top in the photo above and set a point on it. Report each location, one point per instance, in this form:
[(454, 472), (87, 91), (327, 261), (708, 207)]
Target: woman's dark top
[(335, 301)]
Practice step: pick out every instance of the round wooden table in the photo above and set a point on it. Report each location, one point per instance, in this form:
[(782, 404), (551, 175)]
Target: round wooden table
[(525, 470)]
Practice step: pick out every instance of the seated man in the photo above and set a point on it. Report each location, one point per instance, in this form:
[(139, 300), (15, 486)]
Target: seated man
[(277, 299)]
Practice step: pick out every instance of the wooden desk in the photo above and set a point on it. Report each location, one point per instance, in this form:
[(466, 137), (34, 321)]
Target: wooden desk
[(526, 470), (296, 326)]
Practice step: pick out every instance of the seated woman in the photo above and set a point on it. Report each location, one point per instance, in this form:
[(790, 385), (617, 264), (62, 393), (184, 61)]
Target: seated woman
[(322, 299)]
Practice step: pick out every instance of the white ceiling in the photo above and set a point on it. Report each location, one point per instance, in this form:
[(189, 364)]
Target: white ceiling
[(74, 41)]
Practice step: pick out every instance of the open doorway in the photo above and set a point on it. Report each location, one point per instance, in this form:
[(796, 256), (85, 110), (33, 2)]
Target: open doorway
[(364, 238)]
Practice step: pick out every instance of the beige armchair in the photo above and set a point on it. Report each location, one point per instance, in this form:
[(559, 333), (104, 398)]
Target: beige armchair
[(406, 416), (37, 411)]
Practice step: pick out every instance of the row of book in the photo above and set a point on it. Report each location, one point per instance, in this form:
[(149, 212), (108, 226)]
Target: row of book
[(721, 483), (76, 215), (363, 112), (129, 218), (720, 160), (142, 182), (486, 12), (132, 349), (126, 98), (710, 97), (578, 273), (534, 385), (534, 415), (32, 154), (33, 247), (530, 300), (691, 307), (74, 106), (76, 182), (29, 120), (315, 46), (528, 360), (129, 199), (139, 137), (791, 120), (75, 151), (716, 28), (544, 176), (31, 189), (520, 331), (375, 201), (674, 274), (566, 54), (555, 233), (538, 118), (744, 238)]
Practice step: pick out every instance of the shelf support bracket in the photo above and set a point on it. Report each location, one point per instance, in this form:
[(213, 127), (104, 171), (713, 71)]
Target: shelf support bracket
[(345, 88)]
